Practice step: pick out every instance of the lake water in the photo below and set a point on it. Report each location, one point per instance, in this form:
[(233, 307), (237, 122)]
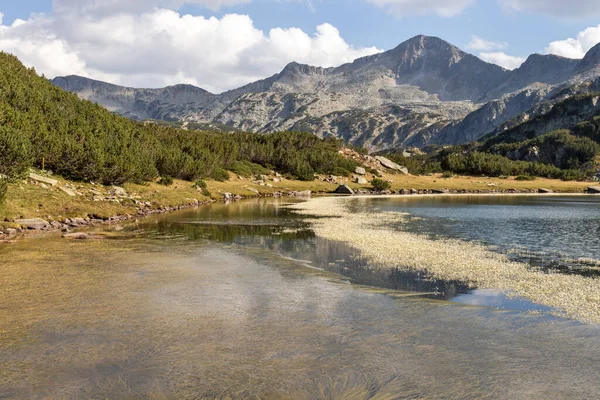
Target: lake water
[(243, 301)]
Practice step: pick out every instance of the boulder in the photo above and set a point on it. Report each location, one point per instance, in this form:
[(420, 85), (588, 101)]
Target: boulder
[(33, 223), (360, 171), (439, 191), (360, 180), (263, 178), (542, 190), (389, 164), (43, 179), (118, 191), (344, 189), (77, 236), (593, 189), (227, 196)]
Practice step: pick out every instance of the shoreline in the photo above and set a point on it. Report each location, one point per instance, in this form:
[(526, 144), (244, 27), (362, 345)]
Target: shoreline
[(76, 205)]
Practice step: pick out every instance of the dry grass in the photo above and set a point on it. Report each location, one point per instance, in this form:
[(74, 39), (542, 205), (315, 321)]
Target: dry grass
[(573, 296)]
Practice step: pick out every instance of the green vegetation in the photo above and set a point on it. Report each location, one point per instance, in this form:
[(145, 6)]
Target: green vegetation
[(200, 184), (166, 181), (380, 184), (3, 189), (40, 124)]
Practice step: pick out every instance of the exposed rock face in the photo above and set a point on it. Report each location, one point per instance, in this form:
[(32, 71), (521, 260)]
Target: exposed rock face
[(391, 165), (423, 91)]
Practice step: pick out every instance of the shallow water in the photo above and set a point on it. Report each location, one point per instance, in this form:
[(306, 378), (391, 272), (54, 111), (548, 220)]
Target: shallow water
[(242, 301)]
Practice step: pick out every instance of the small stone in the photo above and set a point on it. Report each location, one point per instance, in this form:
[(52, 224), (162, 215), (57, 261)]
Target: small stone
[(360, 171), (543, 190)]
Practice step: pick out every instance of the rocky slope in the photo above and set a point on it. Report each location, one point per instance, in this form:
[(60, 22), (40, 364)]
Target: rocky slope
[(423, 91)]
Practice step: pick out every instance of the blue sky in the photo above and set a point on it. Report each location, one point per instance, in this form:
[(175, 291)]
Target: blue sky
[(509, 30)]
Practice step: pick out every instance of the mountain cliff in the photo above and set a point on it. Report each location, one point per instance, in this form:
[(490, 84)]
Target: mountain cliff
[(423, 91)]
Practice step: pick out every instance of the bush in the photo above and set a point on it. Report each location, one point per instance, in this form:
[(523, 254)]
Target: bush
[(447, 174), (15, 153), (166, 181), (200, 184), (339, 171), (219, 174), (380, 184), (3, 190), (247, 169)]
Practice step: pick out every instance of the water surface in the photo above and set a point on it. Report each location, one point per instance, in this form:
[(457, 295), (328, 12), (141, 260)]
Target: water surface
[(242, 301)]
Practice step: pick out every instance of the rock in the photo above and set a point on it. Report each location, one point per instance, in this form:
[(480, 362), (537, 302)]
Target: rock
[(276, 180), (344, 189), (360, 180), (439, 191), (44, 186), (43, 179), (118, 191), (10, 232), (360, 171), (305, 193), (68, 191), (593, 189), (253, 190), (391, 165), (263, 178), (414, 191), (542, 190), (227, 196), (33, 223)]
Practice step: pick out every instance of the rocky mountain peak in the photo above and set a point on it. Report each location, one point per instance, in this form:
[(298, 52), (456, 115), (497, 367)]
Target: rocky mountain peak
[(590, 61)]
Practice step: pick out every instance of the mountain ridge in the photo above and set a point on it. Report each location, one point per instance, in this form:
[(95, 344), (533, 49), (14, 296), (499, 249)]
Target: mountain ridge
[(453, 96)]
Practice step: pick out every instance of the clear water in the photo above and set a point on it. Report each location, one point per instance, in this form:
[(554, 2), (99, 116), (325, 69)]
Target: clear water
[(242, 301), (553, 232)]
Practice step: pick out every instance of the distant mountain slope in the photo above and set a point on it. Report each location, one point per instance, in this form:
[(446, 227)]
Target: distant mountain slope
[(451, 96)]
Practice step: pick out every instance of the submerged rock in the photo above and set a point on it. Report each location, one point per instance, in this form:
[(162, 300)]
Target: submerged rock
[(344, 189)]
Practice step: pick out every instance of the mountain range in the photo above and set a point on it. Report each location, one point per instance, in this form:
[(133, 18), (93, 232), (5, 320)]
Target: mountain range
[(424, 91)]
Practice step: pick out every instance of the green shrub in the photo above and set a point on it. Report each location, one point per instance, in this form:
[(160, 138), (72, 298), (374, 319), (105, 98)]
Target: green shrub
[(3, 190), (219, 174), (380, 184), (247, 169), (339, 171), (447, 174), (166, 181), (15, 153), (200, 184)]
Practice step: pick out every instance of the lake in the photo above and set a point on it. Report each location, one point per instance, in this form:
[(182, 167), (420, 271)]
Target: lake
[(250, 300)]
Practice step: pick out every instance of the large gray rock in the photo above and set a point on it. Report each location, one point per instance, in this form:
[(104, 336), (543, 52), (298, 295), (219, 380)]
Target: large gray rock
[(361, 180), (593, 189), (360, 171), (43, 179), (118, 191), (389, 164), (344, 189), (68, 191), (33, 223)]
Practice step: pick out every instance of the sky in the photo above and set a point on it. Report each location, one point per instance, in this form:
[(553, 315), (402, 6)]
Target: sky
[(223, 44)]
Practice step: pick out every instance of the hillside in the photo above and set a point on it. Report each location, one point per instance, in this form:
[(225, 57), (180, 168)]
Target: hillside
[(43, 126), (424, 91)]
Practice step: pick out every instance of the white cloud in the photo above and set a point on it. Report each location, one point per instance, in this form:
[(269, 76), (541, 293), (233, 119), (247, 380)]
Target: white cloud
[(106, 7), (162, 47), (556, 8), (502, 59), (444, 8), (576, 47), (480, 44)]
